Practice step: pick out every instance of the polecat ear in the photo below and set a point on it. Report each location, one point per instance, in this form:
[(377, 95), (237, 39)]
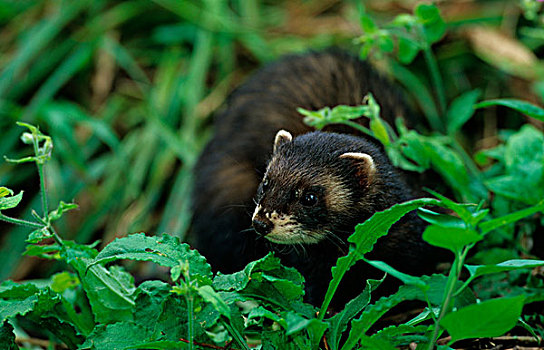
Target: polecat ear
[(282, 137), (365, 164)]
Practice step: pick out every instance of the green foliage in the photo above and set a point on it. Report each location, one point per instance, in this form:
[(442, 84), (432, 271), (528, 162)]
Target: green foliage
[(95, 304)]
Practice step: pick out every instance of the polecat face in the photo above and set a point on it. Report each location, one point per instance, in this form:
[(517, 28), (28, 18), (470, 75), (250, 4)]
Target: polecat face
[(313, 189)]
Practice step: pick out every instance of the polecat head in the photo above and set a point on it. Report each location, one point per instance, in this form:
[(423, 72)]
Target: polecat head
[(319, 185)]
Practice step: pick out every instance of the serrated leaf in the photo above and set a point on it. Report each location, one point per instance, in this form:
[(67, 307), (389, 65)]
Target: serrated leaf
[(165, 251), (339, 322), (451, 238), (490, 318), (392, 332), (110, 290), (107, 337), (521, 106), (460, 110), (364, 237), (11, 201), (433, 294), (7, 337)]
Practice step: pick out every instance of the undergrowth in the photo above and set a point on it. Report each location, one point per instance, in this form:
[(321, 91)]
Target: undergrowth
[(94, 303)]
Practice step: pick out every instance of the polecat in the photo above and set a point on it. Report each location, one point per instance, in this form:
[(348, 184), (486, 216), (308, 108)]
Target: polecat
[(315, 187)]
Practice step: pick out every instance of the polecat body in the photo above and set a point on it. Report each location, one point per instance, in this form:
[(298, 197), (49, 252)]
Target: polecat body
[(316, 187)]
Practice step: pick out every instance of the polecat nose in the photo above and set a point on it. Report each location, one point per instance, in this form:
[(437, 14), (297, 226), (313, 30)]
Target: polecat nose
[(263, 227)]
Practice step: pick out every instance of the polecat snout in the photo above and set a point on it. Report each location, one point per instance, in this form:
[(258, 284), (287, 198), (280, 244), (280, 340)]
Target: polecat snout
[(318, 186)]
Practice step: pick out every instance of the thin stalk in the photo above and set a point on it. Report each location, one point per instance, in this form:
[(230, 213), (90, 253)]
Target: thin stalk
[(19, 221), (358, 127), (56, 236), (238, 338), (42, 189), (190, 324), (437, 81), (450, 286)]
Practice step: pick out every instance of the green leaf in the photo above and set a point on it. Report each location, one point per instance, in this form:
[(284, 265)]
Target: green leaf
[(493, 224), (440, 219), (165, 251), (211, 296), (38, 235), (7, 336), (339, 322), (51, 252), (63, 281), (4, 191), (261, 273), (433, 24), (510, 265), (380, 131), (461, 109), (408, 50), (451, 238), (405, 278), (368, 25), (490, 318), (160, 344), (63, 207), (107, 337), (11, 201), (396, 333), (366, 234), (523, 107)]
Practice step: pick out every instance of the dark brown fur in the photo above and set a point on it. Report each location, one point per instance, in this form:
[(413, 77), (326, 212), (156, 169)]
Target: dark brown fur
[(234, 161)]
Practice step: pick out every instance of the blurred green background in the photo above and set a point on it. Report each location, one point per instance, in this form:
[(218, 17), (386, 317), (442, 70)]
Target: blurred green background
[(126, 89)]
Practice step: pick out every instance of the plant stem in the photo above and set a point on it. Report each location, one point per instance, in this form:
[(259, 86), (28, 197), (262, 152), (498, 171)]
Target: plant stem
[(358, 127), (450, 286), (190, 324), (56, 236), (238, 338), (436, 78), (19, 221), (42, 189)]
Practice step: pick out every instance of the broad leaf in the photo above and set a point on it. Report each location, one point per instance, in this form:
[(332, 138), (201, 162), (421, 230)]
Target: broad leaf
[(461, 109), (451, 238), (11, 201), (165, 251), (490, 318)]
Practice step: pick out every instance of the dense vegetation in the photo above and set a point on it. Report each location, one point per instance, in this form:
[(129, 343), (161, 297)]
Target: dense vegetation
[(121, 92)]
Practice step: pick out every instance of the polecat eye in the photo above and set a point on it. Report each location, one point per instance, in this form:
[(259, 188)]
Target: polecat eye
[(309, 199), (265, 185)]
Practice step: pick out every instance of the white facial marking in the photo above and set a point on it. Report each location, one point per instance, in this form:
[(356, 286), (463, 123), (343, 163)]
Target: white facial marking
[(256, 212)]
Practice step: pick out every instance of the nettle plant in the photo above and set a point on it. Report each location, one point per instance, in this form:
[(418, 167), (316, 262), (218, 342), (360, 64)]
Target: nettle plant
[(96, 305)]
